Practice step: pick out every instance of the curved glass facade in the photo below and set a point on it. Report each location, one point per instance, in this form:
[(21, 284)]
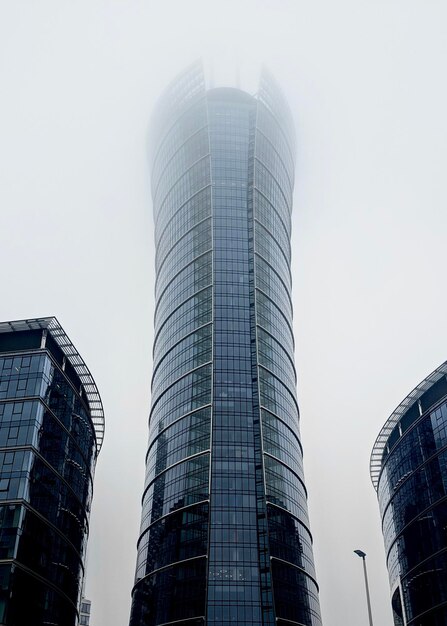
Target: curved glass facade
[(225, 534), (51, 429), (409, 471)]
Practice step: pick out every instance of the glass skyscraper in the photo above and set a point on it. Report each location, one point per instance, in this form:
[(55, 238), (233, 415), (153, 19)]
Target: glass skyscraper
[(409, 473), (51, 431), (225, 533)]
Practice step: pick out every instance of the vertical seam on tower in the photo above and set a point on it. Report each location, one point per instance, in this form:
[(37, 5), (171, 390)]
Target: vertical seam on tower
[(212, 358), (255, 364)]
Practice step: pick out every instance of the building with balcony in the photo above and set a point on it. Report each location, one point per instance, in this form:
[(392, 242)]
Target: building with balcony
[(51, 431), (409, 473)]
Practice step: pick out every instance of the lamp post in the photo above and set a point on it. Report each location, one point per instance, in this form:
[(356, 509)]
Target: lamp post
[(362, 555)]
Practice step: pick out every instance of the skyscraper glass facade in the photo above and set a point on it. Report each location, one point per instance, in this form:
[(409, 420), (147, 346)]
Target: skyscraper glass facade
[(409, 472), (225, 533), (51, 430)]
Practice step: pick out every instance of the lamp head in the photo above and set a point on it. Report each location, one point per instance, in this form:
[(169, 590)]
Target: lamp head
[(360, 553)]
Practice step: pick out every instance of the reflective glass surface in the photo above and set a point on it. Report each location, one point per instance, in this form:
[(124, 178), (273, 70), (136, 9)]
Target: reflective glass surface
[(47, 458), (175, 517), (225, 506), (412, 493), (234, 585)]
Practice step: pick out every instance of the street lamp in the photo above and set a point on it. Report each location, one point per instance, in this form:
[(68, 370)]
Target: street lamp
[(362, 555)]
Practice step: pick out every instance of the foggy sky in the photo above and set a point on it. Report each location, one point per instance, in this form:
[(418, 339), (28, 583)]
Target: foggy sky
[(366, 84)]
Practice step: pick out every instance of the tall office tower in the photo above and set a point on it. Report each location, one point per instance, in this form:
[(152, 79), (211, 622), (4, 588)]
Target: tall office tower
[(409, 473), (84, 613), (225, 532), (51, 430)]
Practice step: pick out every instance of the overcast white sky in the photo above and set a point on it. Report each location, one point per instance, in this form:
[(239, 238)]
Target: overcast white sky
[(366, 82)]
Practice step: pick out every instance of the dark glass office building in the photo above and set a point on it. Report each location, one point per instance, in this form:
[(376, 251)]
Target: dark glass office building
[(409, 473), (225, 533), (51, 430)]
